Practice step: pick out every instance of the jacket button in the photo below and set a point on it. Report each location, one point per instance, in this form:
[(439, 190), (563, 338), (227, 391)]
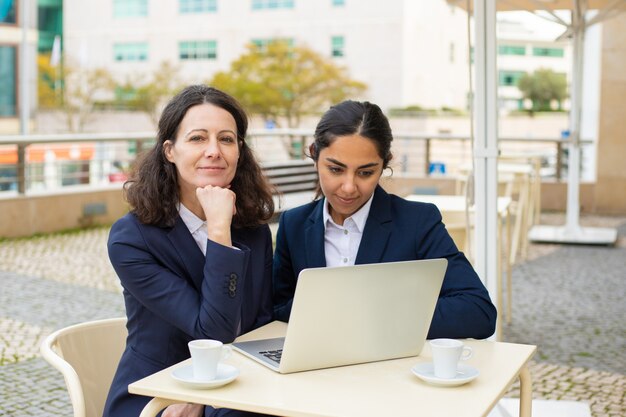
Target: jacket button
[(232, 285)]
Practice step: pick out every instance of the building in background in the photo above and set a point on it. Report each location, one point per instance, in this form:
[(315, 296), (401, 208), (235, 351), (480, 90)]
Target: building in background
[(524, 47), (18, 72), (18, 56), (49, 24), (10, 38), (408, 52)]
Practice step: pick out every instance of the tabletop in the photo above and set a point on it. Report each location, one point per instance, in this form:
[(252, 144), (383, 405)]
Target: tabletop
[(454, 202), (372, 389)]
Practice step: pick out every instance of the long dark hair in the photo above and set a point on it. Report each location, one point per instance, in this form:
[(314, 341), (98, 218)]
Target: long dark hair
[(152, 189), (353, 118)]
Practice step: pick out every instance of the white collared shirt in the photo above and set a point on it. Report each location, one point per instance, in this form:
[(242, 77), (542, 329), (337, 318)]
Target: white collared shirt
[(196, 226), (341, 243)]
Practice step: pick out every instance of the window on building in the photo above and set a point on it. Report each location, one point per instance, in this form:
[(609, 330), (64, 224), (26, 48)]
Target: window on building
[(130, 51), (261, 44), (451, 53), (552, 52), (8, 81), (193, 50), (337, 45), (272, 4), (339, 2), (197, 6), (7, 12), (511, 50), (130, 8), (509, 78), (49, 24)]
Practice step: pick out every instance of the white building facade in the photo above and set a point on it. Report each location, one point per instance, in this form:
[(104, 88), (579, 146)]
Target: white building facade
[(408, 52), (523, 49)]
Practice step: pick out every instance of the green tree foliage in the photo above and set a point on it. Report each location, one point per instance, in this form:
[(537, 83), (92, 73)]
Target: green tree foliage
[(150, 94), (285, 82), (543, 87), (46, 94)]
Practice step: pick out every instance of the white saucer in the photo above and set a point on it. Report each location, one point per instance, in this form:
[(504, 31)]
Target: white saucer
[(425, 372), (225, 375)]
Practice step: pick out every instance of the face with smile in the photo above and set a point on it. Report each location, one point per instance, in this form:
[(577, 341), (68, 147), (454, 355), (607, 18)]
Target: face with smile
[(205, 150), (349, 170)]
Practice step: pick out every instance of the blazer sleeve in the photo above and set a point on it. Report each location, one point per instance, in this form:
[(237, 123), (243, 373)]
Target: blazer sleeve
[(464, 308), (284, 278), (213, 312), (266, 310)]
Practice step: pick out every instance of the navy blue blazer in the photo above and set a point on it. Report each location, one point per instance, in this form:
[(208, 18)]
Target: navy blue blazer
[(395, 230), (174, 294)]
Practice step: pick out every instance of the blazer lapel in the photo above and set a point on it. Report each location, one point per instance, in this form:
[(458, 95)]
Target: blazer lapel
[(314, 238), (377, 229), (188, 251)]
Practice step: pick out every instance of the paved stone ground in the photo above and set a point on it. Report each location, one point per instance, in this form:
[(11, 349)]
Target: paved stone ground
[(567, 299), (47, 283)]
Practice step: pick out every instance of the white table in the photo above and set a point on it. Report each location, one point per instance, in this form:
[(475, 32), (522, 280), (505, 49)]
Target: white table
[(454, 202), (522, 177), (386, 388), (455, 206)]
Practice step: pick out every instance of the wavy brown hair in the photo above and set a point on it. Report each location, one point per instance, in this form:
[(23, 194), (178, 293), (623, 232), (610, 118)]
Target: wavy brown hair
[(152, 189)]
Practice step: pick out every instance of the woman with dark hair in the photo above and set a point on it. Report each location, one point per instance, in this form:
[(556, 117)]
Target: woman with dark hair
[(357, 222), (194, 254)]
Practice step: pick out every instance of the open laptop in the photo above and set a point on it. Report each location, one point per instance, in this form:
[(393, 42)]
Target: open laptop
[(354, 314)]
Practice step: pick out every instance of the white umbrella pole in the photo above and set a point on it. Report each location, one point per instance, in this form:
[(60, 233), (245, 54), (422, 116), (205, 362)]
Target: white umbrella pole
[(573, 166), (571, 232), (485, 152)]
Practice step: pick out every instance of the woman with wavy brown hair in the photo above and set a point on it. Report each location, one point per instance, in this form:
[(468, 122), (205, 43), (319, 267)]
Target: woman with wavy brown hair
[(194, 254)]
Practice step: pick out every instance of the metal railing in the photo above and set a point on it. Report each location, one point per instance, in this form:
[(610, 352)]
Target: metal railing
[(49, 163)]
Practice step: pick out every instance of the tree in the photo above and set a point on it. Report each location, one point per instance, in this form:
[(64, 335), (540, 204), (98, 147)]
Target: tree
[(542, 87), (72, 90), (46, 93), (281, 81), (81, 90), (151, 96)]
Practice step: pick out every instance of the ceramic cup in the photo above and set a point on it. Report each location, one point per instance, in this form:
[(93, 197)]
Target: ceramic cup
[(206, 354), (446, 356)]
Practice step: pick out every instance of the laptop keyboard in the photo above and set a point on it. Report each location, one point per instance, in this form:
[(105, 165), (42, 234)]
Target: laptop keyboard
[(273, 355)]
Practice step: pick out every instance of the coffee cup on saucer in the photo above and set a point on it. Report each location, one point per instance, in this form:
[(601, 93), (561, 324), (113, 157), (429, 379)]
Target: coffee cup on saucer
[(206, 354), (446, 356)]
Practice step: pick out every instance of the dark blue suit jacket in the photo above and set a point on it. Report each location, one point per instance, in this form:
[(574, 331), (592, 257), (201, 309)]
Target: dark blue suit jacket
[(174, 294), (395, 230)]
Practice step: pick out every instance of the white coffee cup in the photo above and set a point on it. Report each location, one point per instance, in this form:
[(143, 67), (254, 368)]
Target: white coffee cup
[(446, 356), (206, 354)]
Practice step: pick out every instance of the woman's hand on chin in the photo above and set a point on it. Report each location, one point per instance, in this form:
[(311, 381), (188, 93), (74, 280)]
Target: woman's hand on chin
[(218, 205)]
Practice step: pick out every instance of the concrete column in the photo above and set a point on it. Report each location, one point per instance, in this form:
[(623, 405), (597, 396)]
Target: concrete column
[(610, 190)]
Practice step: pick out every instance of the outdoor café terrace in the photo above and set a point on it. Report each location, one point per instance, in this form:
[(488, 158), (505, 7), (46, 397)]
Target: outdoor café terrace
[(565, 299), (568, 300)]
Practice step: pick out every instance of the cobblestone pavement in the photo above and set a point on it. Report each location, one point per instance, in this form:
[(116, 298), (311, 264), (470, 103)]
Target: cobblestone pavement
[(568, 300)]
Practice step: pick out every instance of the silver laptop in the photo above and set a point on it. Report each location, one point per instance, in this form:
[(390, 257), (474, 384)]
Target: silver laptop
[(354, 314)]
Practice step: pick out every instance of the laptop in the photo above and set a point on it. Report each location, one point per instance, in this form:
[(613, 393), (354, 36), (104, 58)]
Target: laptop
[(354, 314)]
